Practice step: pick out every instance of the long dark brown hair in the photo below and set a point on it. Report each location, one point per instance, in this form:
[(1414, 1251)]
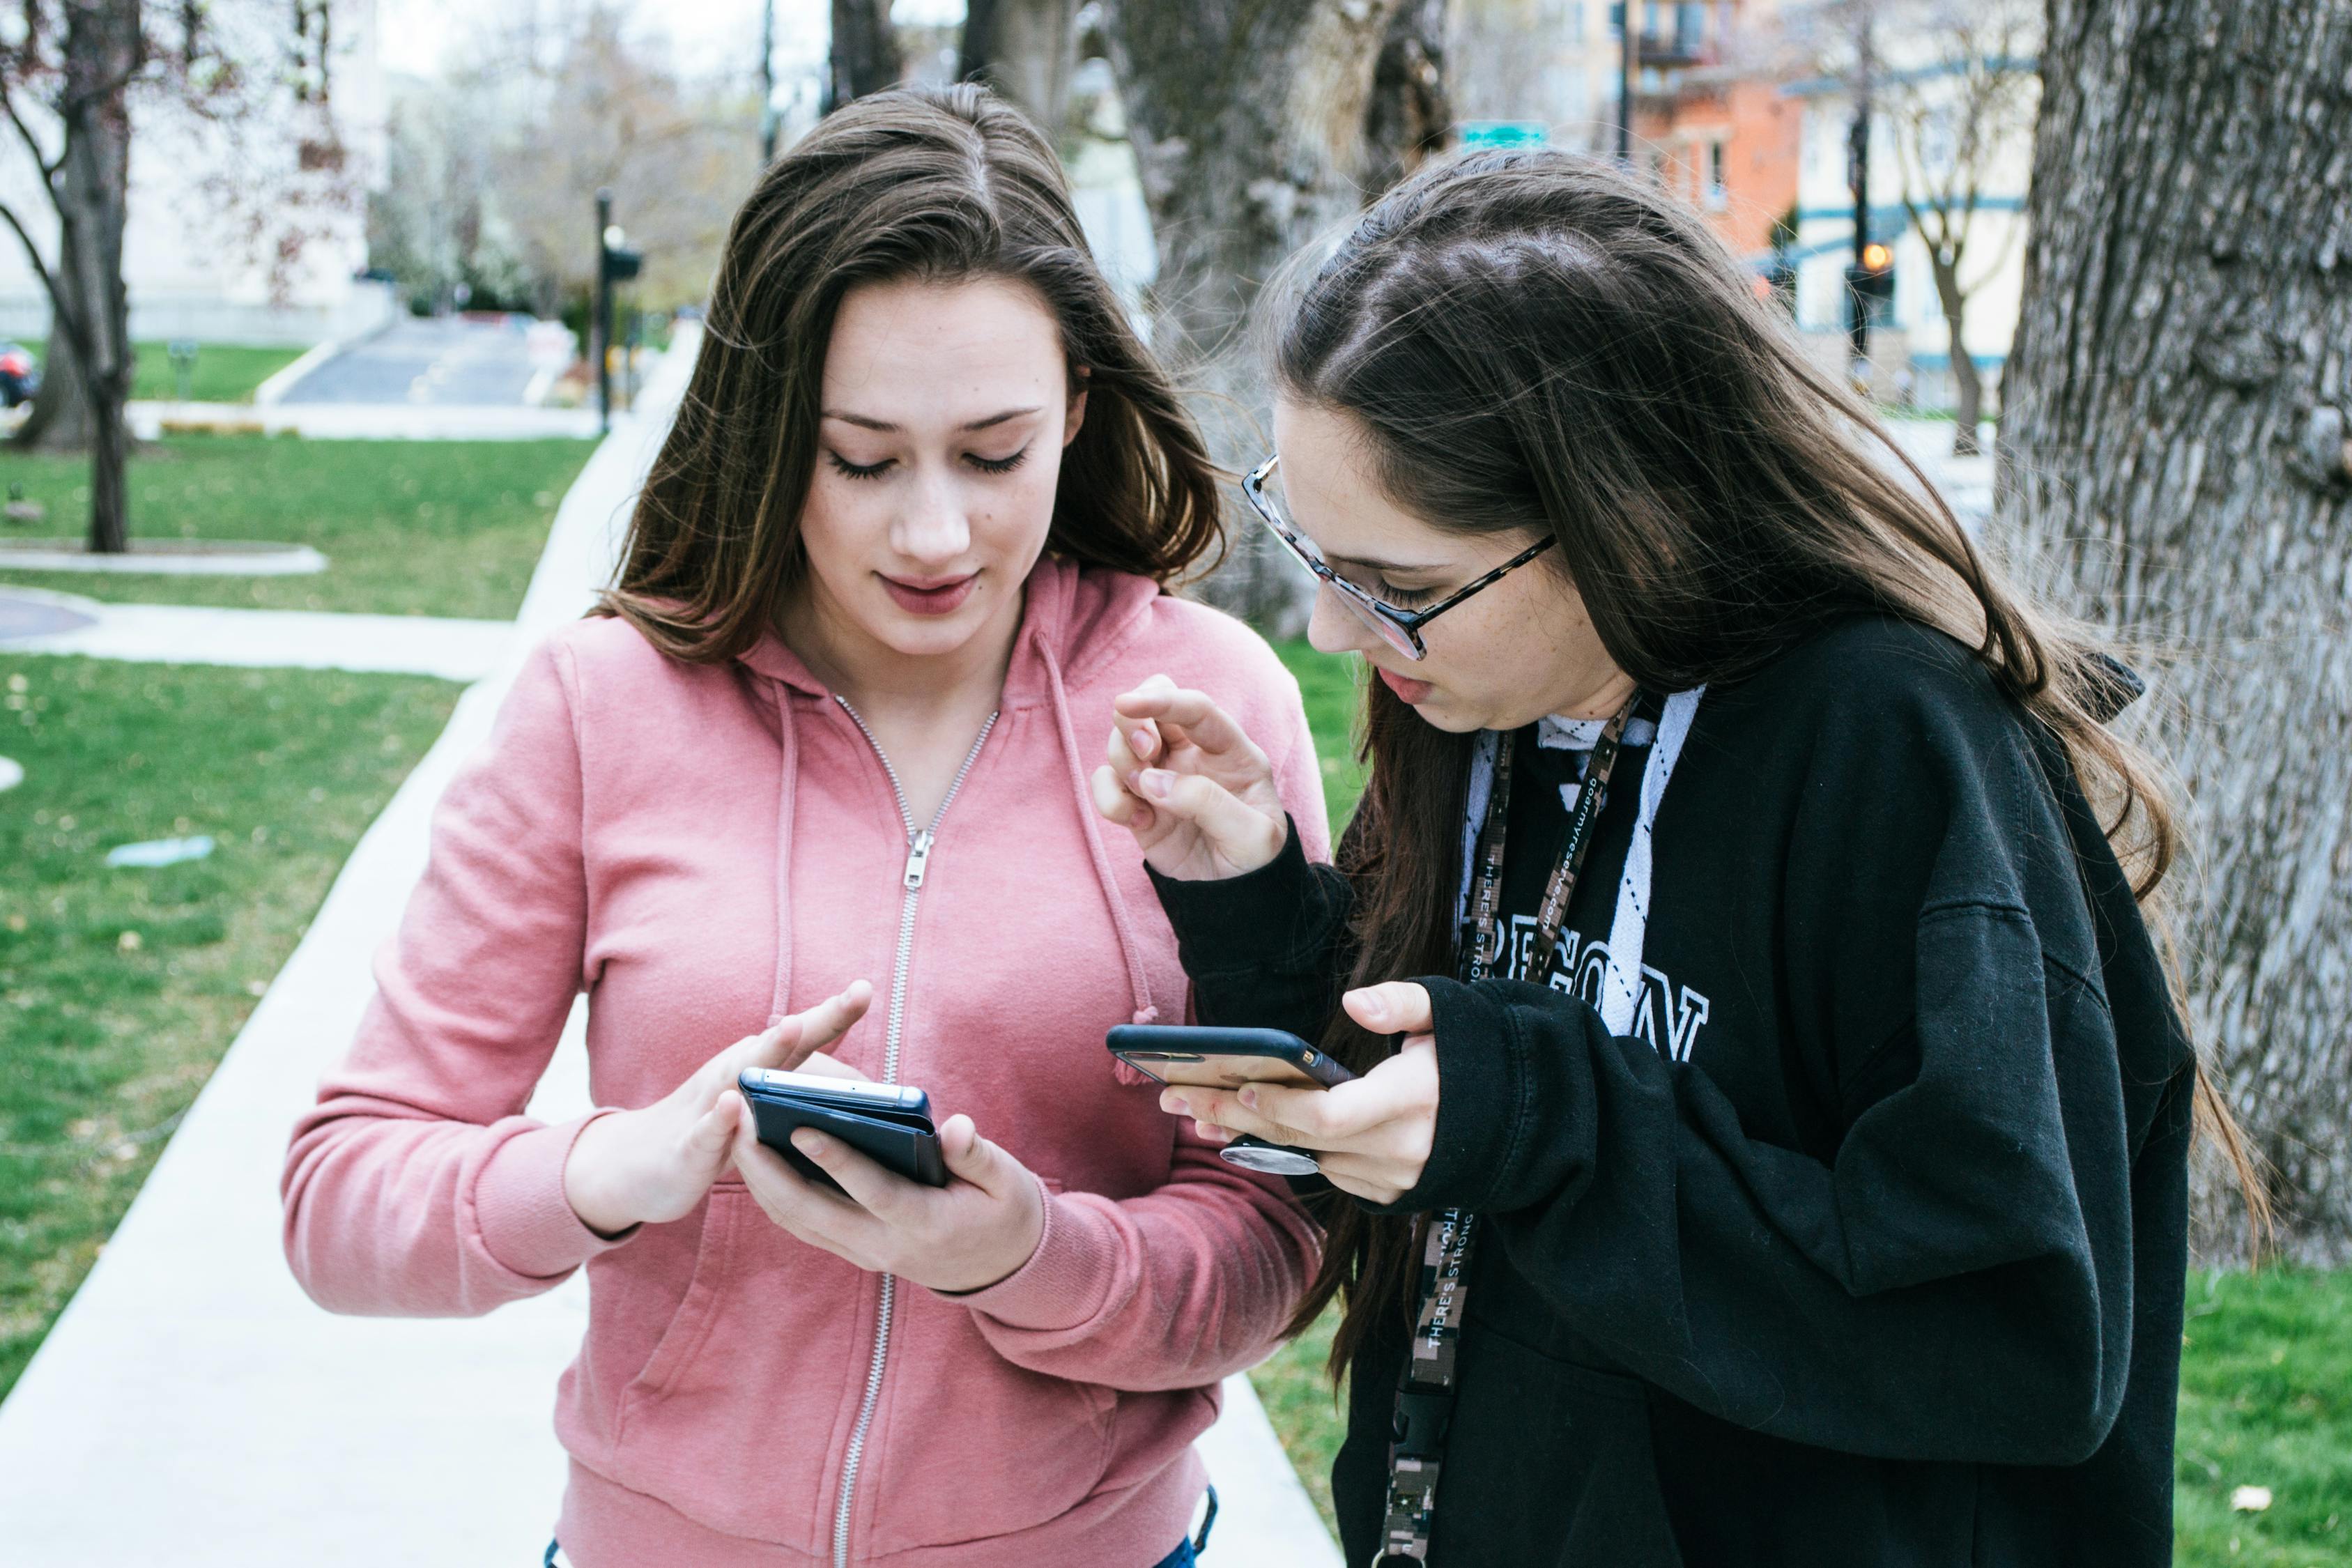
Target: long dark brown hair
[(939, 185), (1537, 343)]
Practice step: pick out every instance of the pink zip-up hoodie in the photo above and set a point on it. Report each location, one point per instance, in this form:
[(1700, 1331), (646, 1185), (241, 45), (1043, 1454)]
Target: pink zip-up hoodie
[(702, 850)]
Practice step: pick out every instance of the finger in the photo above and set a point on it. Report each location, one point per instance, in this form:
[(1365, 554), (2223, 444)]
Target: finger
[(1203, 724), (790, 1199), (1133, 743), (1114, 801), (1397, 1007), (1241, 831), (971, 1158), (714, 1130), (1219, 1117), (829, 1020), (876, 1191)]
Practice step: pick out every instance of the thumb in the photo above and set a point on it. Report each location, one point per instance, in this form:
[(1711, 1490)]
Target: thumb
[(1397, 1007), (1242, 834), (976, 1160), (714, 1129)]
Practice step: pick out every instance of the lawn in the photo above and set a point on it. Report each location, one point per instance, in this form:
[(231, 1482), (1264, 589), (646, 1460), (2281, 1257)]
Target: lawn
[(223, 373), (120, 989), (2266, 1363), (440, 528)]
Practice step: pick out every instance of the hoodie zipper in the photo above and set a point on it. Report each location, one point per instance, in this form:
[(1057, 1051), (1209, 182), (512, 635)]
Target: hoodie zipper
[(919, 844)]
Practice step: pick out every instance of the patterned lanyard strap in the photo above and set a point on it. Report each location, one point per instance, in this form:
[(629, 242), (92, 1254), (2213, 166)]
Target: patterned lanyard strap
[(1424, 1399)]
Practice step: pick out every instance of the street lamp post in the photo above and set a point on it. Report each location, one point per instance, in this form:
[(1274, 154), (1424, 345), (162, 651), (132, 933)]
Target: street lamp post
[(1629, 71), (600, 326)]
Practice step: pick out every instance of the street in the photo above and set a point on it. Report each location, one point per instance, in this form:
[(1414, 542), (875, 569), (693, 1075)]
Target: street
[(448, 361)]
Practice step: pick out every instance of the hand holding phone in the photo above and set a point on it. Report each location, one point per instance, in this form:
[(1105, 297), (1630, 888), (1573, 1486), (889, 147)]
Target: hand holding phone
[(890, 1124), (1369, 1136), (1194, 1055)]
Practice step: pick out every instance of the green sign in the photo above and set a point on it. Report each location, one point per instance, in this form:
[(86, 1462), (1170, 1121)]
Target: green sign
[(1505, 134)]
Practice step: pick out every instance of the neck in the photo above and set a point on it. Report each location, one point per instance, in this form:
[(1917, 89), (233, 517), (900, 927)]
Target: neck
[(876, 678), (1596, 697)]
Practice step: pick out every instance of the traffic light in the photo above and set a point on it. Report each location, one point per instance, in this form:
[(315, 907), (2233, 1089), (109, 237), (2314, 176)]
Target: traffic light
[(1872, 280)]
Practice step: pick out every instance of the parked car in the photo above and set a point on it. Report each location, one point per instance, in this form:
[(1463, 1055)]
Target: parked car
[(20, 375)]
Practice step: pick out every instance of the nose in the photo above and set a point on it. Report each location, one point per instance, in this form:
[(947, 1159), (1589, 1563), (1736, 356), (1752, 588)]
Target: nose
[(1335, 628), (935, 527)]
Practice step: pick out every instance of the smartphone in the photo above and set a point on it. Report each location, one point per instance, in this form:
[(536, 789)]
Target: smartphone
[(889, 1123), (1210, 1058)]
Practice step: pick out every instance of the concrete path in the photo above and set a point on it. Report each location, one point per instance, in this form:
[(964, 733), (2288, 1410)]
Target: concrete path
[(186, 634), (364, 421), (193, 1408), (439, 359)]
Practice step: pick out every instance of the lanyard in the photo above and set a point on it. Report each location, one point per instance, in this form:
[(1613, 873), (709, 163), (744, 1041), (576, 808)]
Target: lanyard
[(1424, 1399)]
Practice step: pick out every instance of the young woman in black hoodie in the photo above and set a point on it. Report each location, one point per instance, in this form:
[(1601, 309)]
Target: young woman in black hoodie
[(1780, 1156)]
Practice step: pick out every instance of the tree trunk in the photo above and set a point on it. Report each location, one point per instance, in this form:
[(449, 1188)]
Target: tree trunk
[(2174, 468), (1968, 386), (91, 310), (1256, 130), (865, 51), (1026, 49)]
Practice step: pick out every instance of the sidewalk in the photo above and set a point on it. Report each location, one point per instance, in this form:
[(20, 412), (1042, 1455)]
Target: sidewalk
[(185, 634), (193, 1408)]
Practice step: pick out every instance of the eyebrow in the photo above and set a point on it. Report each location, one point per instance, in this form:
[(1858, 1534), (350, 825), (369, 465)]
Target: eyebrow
[(863, 422)]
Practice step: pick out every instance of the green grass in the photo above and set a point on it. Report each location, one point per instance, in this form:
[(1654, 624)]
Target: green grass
[(2266, 1363), (223, 373), (120, 989), (2267, 1400), (1328, 684), (438, 528)]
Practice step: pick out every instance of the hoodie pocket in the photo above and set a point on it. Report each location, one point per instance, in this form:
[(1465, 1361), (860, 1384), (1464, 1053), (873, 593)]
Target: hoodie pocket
[(737, 1416), (967, 1446), (1549, 1462)]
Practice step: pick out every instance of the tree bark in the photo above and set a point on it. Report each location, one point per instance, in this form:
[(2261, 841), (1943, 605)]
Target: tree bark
[(865, 51), (1257, 129), (91, 308), (2174, 468), (1026, 50), (1968, 386)]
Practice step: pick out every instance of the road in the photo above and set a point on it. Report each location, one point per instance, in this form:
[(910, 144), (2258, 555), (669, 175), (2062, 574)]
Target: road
[(448, 361)]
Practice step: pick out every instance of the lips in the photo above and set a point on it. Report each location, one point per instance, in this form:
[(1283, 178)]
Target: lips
[(1406, 688), (930, 597)]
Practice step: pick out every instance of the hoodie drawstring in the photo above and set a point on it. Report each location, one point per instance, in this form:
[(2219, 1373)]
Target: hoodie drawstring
[(1130, 949), (787, 767)]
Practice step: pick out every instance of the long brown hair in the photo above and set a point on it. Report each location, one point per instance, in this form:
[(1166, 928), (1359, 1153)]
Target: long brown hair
[(935, 185), (1538, 342)]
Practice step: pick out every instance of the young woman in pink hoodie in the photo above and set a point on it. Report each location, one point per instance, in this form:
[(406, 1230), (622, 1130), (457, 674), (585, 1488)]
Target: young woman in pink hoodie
[(809, 793)]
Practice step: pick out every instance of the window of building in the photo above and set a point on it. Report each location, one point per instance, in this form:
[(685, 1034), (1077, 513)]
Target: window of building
[(1718, 194)]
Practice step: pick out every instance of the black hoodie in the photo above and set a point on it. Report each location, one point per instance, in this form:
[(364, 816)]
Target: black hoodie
[(1866, 1246)]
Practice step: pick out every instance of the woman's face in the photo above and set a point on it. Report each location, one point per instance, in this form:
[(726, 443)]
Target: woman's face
[(1518, 649), (945, 409)]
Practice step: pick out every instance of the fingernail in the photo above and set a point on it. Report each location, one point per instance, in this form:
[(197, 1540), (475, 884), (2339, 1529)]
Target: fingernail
[(810, 1143), (1141, 742), (1157, 782), (1249, 1098), (1174, 1105)]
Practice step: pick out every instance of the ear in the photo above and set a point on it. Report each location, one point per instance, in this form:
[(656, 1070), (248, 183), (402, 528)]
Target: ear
[(1076, 414)]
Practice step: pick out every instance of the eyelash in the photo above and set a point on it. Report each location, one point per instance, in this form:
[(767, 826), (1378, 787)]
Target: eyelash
[(850, 470), (1404, 598)]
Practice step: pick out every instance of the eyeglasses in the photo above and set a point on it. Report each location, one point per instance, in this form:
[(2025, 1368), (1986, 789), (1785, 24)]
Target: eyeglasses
[(1400, 629)]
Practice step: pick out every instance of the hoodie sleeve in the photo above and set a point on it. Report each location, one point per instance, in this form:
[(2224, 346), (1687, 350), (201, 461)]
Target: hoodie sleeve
[(1951, 1279), (416, 1186), (1196, 1280)]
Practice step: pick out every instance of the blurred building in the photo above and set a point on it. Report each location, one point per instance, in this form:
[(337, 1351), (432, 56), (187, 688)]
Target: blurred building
[(220, 245), (1921, 100), (1710, 119)]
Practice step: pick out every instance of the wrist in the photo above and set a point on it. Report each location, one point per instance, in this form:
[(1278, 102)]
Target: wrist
[(588, 1176)]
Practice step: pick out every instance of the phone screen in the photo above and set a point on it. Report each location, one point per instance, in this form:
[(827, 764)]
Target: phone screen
[(1194, 1069)]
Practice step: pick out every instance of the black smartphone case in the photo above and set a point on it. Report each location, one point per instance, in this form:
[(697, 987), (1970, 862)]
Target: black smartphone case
[(1154, 1041), (904, 1142)]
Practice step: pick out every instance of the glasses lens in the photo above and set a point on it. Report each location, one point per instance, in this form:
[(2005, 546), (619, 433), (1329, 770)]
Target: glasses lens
[(1301, 549)]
